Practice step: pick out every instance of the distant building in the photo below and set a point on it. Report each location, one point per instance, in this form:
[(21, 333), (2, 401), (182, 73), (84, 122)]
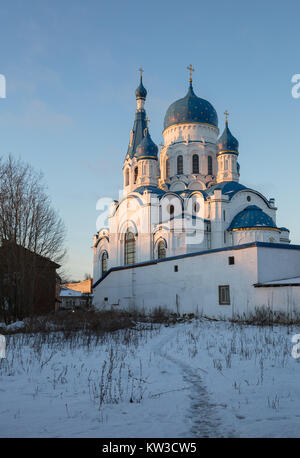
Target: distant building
[(84, 286), (71, 299), (27, 282)]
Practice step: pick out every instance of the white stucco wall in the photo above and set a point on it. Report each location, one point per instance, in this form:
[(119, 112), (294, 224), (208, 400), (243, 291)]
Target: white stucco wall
[(186, 140), (280, 299), (278, 263), (194, 288)]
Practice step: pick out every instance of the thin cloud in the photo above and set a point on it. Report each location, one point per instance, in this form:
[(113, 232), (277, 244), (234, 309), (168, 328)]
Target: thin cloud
[(38, 114)]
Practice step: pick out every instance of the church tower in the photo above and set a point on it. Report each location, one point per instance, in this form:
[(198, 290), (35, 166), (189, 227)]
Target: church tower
[(130, 168), (228, 151)]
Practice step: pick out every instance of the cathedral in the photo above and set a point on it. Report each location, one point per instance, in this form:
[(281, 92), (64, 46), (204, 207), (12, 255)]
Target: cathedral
[(179, 201)]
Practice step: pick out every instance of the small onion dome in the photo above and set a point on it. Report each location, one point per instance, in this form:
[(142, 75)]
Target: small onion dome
[(141, 92), (191, 109), (227, 143), (252, 217), (147, 149)]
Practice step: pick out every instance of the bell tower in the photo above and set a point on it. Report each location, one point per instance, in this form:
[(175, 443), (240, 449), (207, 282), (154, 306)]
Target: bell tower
[(130, 167)]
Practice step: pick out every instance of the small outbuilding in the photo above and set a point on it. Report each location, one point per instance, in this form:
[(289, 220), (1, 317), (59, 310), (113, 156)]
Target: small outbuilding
[(72, 300)]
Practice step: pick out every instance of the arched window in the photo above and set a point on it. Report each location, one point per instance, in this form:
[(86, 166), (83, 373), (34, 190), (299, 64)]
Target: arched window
[(161, 249), (104, 262), (195, 163), (171, 209), (179, 165), (127, 177), (129, 249), (136, 172), (209, 165), (167, 168), (196, 207)]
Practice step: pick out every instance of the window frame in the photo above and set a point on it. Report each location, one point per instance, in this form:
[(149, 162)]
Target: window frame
[(195, 164), (136, 174), (179, 165), (209, 165), (224, 294), (231, 260), (104, 258), (129, 248), (161, 243), (167, 168)]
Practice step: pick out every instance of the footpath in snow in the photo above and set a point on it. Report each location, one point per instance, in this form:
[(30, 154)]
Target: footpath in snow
[(194, 379)]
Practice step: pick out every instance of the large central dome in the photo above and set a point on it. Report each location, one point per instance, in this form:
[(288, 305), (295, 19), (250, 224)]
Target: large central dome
[(191, 109)]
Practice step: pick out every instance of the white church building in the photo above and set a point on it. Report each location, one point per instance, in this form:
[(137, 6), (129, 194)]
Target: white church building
[(186, 235)]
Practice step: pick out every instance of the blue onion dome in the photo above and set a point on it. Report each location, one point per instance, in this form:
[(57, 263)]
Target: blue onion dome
[(147, 149), (141, 92), (227, 143), (191, 109), (252, 217)]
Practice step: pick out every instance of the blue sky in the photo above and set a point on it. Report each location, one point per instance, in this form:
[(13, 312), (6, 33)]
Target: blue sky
[(71, 72)]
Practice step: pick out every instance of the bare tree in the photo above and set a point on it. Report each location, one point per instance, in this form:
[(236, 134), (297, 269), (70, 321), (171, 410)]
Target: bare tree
[(26, 214), (27, 220)]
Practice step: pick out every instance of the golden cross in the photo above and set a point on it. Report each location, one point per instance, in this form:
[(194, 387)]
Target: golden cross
[(191, 69), (141, 72), (226, 116)]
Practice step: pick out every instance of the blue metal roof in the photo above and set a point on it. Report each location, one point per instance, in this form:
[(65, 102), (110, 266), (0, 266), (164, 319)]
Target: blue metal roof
[(188, 192), (252, 216), (141, 92), (150, 189), (139, 127), (147, 149), (229, 188), (191, 109), (227, 142)]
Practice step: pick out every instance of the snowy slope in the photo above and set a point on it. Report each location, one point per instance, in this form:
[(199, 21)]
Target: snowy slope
[(198, 378)]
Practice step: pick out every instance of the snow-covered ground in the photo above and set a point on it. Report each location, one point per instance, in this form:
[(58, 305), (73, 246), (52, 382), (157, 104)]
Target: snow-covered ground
[(192, 379)]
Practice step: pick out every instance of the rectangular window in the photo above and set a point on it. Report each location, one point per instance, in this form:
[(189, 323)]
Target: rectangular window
[(129, 254), (209, 165), (167, 168), (179, 165), (224, 295), (195, 163), (231, 260), (175, 268)]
